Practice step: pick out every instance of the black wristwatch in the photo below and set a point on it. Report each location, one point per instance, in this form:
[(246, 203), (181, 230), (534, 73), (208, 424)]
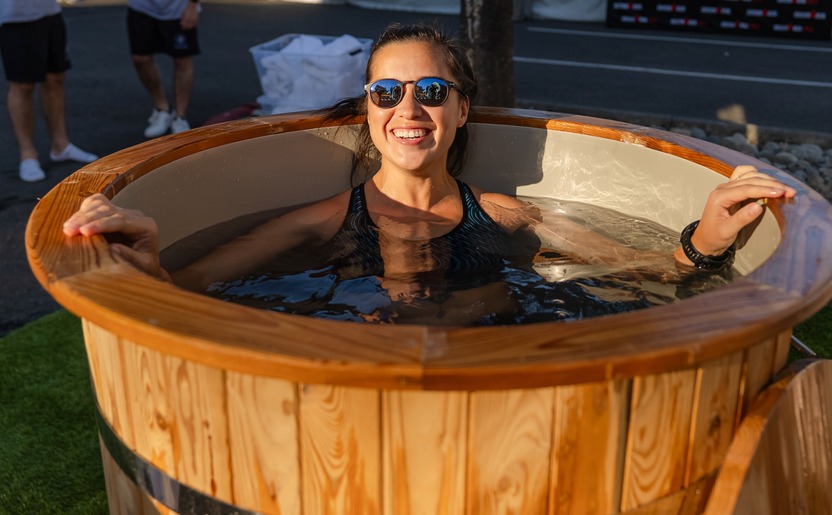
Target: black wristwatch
[(699, 260)]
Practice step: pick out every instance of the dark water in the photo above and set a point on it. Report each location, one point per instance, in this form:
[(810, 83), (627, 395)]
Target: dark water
[(530, 283)]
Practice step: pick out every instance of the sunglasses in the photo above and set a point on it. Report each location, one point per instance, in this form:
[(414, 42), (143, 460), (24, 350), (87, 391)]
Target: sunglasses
[(428, 91)]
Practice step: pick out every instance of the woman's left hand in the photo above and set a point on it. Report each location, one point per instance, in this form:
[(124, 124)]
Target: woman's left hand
[(728, 210)]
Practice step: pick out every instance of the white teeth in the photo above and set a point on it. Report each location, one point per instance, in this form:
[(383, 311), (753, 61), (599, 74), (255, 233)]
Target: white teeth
[(410, 133)]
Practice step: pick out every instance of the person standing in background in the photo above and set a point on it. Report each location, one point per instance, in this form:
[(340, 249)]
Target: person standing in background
[(33, 44), (164, 26)]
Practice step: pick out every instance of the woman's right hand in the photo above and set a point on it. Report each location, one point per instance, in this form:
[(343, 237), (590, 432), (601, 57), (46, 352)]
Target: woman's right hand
[(137, 232)]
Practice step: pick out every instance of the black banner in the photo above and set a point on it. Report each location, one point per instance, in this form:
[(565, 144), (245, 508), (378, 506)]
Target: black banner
[(791, 18)]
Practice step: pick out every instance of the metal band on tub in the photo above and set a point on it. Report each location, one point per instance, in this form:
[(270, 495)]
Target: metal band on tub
[(177, 496)]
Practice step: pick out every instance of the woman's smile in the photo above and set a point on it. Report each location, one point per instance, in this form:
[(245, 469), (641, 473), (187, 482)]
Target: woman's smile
[(410, 134)]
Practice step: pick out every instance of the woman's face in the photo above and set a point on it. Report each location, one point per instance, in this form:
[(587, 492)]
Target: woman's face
[(410, 136)]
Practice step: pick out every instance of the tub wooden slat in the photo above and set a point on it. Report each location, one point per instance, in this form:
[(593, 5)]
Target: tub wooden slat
[(180, 409), (425, 451), (714, 415), (107, 368), (264, 442), (510, 437), (125, 497), (590, 428), (781, 351), (657, 442), (781, 459), (757, 372), (340, 449), (690, 501)]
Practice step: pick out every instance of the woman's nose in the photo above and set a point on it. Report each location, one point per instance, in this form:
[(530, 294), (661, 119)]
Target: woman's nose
[(409, 107)]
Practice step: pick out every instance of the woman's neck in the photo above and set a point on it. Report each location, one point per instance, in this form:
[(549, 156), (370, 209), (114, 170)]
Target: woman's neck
[(423, 193)]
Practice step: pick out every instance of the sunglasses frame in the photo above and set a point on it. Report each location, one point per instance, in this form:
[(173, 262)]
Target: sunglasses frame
[(402, 83)]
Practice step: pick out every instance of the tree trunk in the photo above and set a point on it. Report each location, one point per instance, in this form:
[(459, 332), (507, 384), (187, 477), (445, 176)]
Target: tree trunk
[(487, 26)]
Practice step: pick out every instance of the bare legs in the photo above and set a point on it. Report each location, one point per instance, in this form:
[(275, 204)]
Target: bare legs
[(19, 101), (22, 114), (151, 80), (52, 103), (183, 82)]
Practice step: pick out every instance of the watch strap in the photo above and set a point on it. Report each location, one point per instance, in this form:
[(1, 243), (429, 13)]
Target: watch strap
[(701, 261)]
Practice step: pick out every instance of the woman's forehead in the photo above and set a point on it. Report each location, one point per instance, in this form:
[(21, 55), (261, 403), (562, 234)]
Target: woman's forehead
[(408, 60)]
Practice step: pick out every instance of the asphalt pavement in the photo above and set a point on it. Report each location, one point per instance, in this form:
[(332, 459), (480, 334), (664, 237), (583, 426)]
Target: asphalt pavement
[(107, 109)]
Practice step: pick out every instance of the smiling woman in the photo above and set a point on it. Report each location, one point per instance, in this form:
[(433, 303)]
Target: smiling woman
[(223, 407)]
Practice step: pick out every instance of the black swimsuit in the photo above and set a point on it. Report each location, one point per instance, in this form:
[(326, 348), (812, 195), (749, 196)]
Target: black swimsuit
[(475, 245)]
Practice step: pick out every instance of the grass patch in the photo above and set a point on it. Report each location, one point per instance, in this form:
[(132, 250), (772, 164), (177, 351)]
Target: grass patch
[(816, 332), (50, 461), (49, 456)]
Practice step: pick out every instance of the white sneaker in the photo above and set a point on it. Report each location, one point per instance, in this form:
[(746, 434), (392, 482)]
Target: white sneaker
[(73, 153), (179, 124), (30, 171), (159, 123)]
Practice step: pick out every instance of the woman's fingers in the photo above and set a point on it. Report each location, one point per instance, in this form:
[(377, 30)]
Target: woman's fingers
[(90, 217), (735, 204), (98, 215)]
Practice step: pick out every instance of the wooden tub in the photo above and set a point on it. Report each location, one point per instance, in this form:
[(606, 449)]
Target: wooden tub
[(207, 407)]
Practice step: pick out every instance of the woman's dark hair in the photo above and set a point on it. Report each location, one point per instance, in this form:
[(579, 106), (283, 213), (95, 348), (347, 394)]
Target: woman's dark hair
[(461, 69)]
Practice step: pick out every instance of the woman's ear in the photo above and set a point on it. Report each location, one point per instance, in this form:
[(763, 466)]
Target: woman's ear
[(464, 107)]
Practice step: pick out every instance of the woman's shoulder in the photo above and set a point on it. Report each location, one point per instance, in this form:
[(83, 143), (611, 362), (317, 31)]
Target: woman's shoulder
[(508, 212), (326, 209), (497, 199)]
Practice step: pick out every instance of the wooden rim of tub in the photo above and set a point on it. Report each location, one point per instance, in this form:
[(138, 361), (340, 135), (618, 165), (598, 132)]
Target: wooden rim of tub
[(83, 276)]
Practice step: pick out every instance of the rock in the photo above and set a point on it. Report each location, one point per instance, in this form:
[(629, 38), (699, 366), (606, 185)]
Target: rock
[(697, 132), (808, 151), (785, 159), (738, 142), (772, 147)]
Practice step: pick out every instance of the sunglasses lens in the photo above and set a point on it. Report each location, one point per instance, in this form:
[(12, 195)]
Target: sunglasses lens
[(386, 93), (431, 92)]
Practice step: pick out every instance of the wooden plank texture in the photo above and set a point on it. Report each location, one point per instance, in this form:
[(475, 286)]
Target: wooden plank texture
[(509, 448), (179, 418), (264, 443), (104, 353), (340, 450), (590, 428), (781, 458), (757, 370), (660, 418), (715, 412), (124, 497), (424, 452)]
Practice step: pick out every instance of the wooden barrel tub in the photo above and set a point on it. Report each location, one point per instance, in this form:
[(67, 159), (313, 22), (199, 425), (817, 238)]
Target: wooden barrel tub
[(208, 407)]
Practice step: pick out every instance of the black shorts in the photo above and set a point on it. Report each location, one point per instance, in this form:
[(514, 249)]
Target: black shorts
[(150, 36), (32, 49)]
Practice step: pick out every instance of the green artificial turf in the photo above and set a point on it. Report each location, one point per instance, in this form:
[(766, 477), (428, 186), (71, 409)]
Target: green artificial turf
[(816, 332), (50, 461)]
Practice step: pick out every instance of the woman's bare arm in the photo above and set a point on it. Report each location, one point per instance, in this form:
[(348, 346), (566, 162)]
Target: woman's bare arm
[(310, 225), (728, 210), (316, 223)]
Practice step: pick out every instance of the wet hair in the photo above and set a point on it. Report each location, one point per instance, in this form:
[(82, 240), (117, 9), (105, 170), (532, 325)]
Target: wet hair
[(457, 61)]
